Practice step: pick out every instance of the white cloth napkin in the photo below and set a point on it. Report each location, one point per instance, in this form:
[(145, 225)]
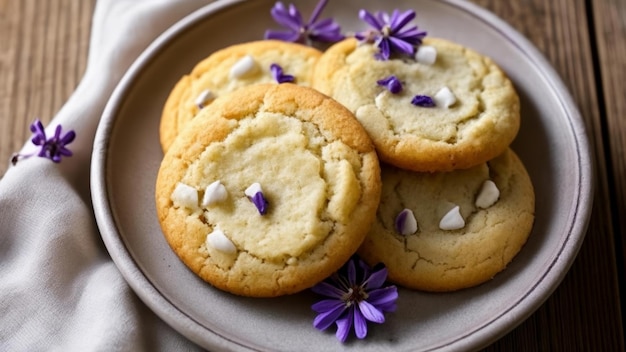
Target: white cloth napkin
[(59, 289)]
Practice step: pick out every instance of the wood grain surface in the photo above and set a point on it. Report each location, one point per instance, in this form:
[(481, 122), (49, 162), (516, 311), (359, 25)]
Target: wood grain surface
[(43, 53)]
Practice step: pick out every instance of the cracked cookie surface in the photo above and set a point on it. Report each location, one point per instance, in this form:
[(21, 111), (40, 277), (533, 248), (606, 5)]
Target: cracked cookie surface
[(433, 259), (319, 174), (480, 125), (214, 74)]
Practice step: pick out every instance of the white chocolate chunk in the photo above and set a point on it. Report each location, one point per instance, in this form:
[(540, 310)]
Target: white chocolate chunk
[(488, 195), (185, 196), (409, 225), (426, 54), (245, 66), (253, 189), (453, 220), (444, 98), (218, 240), (214, 193), (204, 97)]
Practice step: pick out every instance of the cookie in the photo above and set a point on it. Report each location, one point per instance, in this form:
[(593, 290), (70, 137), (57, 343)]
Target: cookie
[(459, 228), (275, 196), (456, 108), (228, 69)]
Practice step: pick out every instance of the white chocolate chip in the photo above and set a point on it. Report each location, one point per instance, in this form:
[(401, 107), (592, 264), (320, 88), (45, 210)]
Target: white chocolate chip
[(253, 189), (204, 97), (245, 66), (426, 54), (218, 240), (453, 220), (214, 193), (409, 225), (444, 98), (185, 196), (488, 195)]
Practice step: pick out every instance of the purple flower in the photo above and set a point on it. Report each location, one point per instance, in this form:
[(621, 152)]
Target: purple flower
[(423, 100), (392, 83), (389, 34), (356, 296), (326, 30), (279, 75), (53, 148)]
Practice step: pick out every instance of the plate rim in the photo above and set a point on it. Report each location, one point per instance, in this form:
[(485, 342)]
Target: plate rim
[(479, 337)]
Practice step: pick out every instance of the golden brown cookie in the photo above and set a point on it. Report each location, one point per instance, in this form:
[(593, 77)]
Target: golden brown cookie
[(448, 231), (474, 112), (318, 175), (228, 69)]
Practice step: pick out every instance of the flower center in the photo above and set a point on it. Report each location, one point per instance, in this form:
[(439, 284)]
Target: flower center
[(386, 31), (355, 294)]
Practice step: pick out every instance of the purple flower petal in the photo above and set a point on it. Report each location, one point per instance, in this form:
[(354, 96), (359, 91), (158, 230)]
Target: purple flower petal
[(371, 19), (65, 152), (325, 289), (326, 31), (382, 17), (365, 269), (351, 273), (382, 297), (259, 202), (325, 319), (295, 13), (327, 305), (423, 100), (401, 46), (411, 35), (279, 76), (39, 133), (376, 279), (318, 10), (325, 25), (360, 324), (370, 312), (344, 325), (385, 49), (289, 18), (68, 138), (392, 83), (399, 20)]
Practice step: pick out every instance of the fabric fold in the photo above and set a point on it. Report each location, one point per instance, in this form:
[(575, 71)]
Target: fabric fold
[(60, 290)]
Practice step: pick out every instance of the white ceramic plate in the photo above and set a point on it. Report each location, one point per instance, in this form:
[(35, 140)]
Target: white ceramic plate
[(126, 158)]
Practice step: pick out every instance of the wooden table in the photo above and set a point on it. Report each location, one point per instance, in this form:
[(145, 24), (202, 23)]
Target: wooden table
[(43, 53)]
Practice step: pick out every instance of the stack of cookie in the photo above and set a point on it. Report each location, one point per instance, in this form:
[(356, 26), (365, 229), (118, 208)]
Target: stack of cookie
[(457, 204), (266, 189)]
